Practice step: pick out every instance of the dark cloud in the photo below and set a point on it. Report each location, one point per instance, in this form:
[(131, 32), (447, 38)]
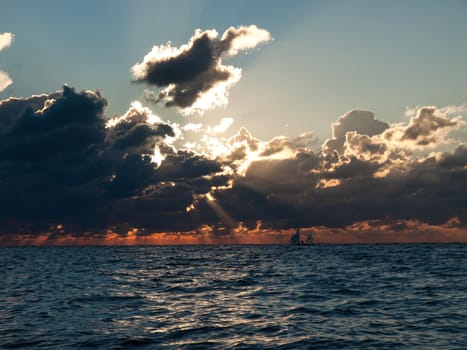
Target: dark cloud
[(366, 177), (193, 75), (184, 164), (455, 160), (68, 169), (133, 132), (13, 108), (63, 163), (283, 197)]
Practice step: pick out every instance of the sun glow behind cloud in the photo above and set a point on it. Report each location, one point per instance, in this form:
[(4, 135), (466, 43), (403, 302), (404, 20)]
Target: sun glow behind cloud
[(192, 76), (143, 179), (219, 189), (409, 231)]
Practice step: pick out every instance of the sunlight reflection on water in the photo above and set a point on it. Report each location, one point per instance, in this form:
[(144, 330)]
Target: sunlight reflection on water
[(381, 296)]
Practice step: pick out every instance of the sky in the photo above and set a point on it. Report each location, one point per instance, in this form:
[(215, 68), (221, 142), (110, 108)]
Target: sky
[(133, 122)]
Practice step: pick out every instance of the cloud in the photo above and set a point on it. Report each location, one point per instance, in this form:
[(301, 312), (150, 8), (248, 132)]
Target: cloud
[(359, 138), (429, 126), (360, 121), (5, 41), (5, 80), (360, 175), (224, 124), (195, 127), (192, 76), (138, 130), (70, 172), (63, 162)]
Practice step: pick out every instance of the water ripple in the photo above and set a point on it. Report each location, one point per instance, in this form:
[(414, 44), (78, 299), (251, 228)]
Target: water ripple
[(234, 297)]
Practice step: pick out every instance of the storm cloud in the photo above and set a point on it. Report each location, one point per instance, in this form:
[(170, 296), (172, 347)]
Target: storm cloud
[(192, 76), (63, 162), (68, 169)]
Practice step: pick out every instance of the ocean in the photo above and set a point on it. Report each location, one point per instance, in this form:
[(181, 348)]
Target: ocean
[(388, 296)]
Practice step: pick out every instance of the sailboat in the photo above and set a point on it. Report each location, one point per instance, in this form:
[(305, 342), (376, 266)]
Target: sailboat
[(297, 239)]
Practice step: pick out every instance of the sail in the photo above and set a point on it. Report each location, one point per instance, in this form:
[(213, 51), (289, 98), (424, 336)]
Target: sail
[(295, 239), (298, 239)]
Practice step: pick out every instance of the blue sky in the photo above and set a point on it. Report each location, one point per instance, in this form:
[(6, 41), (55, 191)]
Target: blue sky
[(327, 57)]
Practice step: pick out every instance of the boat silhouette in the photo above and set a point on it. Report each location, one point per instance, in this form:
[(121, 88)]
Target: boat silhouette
[(297, 239)]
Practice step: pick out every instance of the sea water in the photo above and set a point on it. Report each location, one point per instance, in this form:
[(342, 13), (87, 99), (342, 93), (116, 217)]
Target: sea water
[(240, 297)]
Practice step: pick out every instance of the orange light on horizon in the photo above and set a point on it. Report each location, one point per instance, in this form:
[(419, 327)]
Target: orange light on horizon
[(362, 232)]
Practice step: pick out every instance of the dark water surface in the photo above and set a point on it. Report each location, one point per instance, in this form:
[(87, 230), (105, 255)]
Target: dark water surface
[(222, 297)]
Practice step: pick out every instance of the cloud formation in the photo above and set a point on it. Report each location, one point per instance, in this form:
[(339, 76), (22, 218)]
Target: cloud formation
[(68, 171), (367, 176), (192, 76), (429, 126), (362, 122), (62, 162), (5, 41)]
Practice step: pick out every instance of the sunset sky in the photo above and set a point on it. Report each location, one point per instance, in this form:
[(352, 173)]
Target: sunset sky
[(186, 122)]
